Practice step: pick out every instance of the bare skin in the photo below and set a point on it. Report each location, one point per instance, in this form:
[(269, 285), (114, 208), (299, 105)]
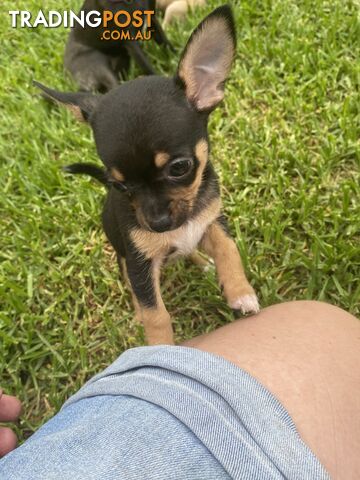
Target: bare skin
[(308, 355), (10, 409)]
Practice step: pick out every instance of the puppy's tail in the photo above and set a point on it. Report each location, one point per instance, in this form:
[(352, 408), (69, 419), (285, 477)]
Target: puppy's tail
[(89, 169)]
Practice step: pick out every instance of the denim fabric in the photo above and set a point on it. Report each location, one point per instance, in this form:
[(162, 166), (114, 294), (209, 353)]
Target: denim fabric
[(167, 413)]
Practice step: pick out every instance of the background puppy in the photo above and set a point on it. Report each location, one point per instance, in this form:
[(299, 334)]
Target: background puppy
[(177, 9), (163, 200), (97, 64)]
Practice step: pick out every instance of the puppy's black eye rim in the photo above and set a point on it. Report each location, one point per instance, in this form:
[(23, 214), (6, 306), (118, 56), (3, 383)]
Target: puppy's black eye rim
[(179, 168)]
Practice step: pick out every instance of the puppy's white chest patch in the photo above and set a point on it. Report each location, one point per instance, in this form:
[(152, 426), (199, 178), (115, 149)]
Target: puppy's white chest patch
[(189, 236), (184, 239)]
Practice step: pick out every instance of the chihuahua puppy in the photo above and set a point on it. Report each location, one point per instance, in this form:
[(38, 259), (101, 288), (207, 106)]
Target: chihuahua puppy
[(163, 198), (96, 64)]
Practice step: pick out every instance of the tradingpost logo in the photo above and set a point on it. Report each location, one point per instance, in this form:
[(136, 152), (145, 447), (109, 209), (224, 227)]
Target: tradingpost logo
[(121, 25)]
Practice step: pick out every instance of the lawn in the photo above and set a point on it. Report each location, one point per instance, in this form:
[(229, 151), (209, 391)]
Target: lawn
[(285, 144)]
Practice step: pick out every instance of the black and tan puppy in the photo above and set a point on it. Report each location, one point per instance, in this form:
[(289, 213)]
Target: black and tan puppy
[(95, 63), (163, 199)]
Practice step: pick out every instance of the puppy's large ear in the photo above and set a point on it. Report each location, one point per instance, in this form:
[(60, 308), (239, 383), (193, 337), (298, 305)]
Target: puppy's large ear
[(206, 61), (81, 104)]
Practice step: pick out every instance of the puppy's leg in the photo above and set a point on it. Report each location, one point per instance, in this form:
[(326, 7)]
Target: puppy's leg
[(144, 277), (161, 4), (176, 10), (121, 64), (200, 261), (238, 292), (90, 68)]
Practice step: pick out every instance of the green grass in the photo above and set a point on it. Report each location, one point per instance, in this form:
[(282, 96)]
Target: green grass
[(285, 144)]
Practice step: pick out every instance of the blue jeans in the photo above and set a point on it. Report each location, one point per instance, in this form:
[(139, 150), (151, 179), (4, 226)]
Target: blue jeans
[(167, 413)]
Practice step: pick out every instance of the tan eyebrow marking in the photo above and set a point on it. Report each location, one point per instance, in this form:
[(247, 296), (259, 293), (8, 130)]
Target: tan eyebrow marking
[(161, 158), (117, 175), (201, 151)]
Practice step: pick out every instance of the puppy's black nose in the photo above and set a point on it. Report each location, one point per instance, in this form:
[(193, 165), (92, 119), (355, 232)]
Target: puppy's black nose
[(161, 224)]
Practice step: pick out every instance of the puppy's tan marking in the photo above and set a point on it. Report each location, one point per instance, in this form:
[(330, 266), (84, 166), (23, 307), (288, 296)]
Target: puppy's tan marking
[(157, 325), (117, 175), (75, 110), (202, 153), (161, 159), (189, 194), (223, 250), (123, 270), (156, 320), (184, 239)]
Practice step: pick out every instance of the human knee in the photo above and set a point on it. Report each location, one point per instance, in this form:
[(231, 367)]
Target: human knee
[(309, 311)]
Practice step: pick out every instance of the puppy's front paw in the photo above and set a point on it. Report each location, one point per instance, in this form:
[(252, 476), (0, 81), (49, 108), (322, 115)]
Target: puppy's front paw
[(246, 304)]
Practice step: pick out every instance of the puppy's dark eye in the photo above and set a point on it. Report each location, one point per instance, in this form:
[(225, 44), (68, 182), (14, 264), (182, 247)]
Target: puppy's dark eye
[(179, 168)]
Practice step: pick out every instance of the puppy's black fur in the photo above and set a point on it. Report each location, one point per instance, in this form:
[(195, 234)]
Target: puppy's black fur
[(163, 197), (97, 64)]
